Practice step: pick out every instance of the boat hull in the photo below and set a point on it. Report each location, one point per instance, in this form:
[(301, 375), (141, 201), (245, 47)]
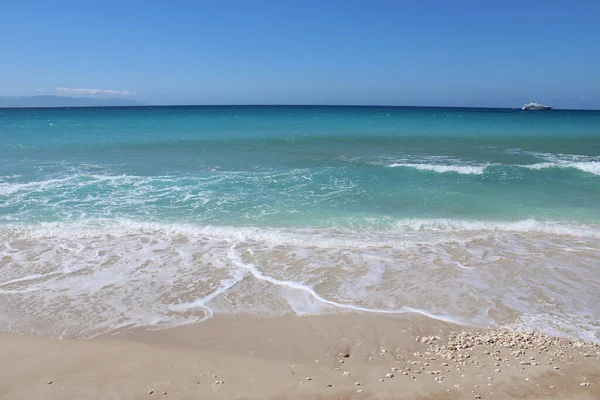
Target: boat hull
[(537, 108)]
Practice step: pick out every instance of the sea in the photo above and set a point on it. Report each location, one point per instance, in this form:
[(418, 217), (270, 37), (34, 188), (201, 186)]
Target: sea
[(113, 219)]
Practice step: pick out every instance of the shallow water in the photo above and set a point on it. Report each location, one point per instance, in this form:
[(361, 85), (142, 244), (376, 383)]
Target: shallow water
[(161, 216)]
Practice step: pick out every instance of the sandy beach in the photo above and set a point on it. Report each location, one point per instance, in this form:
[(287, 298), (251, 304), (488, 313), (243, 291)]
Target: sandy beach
[(342, 356)]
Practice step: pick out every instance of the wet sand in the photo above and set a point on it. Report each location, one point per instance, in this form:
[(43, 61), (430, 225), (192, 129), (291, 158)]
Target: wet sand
[(342, 356)]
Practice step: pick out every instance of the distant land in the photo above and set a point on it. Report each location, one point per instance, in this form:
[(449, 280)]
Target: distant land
[(62, 101)]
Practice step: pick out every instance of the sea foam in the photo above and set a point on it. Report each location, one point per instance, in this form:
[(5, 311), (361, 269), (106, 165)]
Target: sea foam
[(461, 169), (592, 167), (103, 276)]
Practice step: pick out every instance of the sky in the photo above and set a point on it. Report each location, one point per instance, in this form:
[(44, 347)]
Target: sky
[(372, 52)]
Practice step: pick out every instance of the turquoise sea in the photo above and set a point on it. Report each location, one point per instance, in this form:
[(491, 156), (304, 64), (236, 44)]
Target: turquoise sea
[(114, 218)]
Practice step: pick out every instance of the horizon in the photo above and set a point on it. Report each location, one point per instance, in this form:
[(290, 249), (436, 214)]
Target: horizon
[(148, 105), (266, 52)]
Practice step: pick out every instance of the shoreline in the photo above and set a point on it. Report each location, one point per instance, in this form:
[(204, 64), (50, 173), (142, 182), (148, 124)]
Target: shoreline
[(359, 355)]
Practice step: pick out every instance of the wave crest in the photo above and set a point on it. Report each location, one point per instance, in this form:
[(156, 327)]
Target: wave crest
[(461, 169)]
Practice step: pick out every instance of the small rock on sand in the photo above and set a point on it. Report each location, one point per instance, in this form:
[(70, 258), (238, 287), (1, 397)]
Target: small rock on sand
[(584, 384), (150, 392), (389, 375), (49, 383)]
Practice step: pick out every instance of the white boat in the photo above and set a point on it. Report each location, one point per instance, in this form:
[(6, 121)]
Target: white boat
[(532, 105)]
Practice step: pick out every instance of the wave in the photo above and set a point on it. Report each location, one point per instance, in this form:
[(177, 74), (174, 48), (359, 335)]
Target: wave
[(461, 169), (592, 167), (237, 260), (371, 232), (96, 273), (79, 180)]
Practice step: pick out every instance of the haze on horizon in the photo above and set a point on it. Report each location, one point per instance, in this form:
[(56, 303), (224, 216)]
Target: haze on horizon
[(467, 53)]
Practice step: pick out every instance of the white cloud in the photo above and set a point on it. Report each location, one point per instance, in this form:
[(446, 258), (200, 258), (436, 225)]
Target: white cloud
[(41, 90), (94, 92)]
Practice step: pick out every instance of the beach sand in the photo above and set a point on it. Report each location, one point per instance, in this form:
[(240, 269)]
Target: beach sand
[(341, 356)]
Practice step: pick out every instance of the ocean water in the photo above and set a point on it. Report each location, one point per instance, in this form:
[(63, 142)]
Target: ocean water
[(117, 218)]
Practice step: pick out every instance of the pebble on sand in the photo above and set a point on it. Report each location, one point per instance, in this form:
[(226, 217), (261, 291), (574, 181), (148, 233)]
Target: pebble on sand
[(389, 375), (49, 383), (150, 391)]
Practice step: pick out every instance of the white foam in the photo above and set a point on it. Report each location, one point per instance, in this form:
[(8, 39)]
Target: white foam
[(103, 275), (459, 265), (225, 285), (527, 225), (80, 179), (237, 260), (29, 278), (461, 169), (396, 233), (592, 167)]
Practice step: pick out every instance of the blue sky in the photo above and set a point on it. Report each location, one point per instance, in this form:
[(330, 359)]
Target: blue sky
[(487, 53)]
